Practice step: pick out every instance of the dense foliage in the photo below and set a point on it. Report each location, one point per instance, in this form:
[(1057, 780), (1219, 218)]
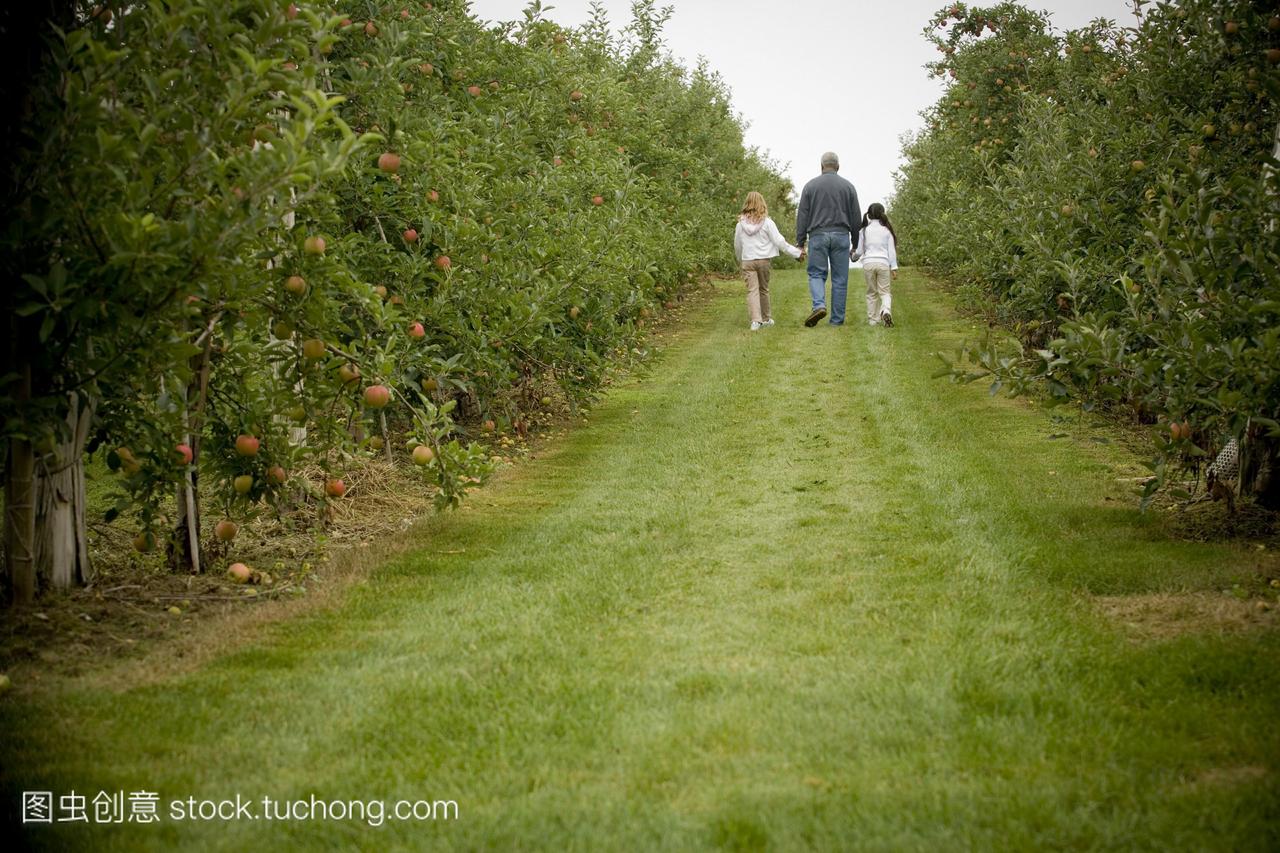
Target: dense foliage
[(249, 237), (1112, 191)]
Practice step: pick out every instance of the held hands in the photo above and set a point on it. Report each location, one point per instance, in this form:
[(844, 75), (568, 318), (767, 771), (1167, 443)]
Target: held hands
[(894, 275)]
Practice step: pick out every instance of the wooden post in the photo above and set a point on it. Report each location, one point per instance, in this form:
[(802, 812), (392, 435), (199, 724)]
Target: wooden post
[(61, 530)]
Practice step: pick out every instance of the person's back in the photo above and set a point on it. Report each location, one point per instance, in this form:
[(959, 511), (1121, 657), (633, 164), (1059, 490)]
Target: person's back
[(876, 243), (832, 204)]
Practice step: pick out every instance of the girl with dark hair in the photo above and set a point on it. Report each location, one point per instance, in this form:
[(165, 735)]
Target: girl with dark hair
[(878, 248)]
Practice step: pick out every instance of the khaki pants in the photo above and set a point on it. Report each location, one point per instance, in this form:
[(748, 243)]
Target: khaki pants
[(757, 275), (878, 298)]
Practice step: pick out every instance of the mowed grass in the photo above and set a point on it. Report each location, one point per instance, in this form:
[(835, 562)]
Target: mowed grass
[(786, 591)]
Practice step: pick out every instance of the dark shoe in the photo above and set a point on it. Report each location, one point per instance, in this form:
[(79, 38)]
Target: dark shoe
[(887, 319), (812, 319)]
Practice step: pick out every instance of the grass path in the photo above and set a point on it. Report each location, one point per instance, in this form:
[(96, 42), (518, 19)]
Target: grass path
[(784, 592)]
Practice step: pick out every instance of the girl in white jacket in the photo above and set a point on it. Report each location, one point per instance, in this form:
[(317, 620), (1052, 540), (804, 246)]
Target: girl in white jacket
[(755, 241), (878, 248)]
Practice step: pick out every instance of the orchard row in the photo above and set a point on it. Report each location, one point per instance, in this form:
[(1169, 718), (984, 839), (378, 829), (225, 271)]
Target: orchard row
[(256, 242), (1112, 191)]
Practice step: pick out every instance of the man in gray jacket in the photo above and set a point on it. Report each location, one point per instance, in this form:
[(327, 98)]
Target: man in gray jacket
[(828, 217)]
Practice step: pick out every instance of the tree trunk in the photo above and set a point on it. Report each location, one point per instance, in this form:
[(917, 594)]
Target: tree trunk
[(19, 506), (386, 437), (61, 530), (297, 434), (186, 554)]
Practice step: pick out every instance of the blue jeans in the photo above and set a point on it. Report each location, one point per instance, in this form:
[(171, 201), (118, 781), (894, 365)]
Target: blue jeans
[(829, 249)]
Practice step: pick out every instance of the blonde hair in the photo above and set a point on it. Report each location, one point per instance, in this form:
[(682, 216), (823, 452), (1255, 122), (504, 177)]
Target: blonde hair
[(754, 207)]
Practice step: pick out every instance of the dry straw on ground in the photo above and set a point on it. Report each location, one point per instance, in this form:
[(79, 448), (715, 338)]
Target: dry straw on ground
[(1162, 616)]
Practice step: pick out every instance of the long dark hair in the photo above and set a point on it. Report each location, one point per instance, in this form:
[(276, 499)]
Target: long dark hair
[(876, 212)]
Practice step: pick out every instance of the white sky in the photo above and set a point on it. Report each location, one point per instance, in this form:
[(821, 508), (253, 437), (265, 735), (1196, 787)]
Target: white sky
[(813, 75)]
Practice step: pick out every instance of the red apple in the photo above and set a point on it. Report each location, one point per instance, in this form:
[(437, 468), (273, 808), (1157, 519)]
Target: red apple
[(291, 11), (475, 91), (417, 331), (295, 284), (226, 530), (410, 235), (276, 475), (389, 162), (247, 445), (377, 396), (381, 291), (335, 488), (433, 196), (443, 262), (489, 426), (422, 455), (597, 200), (370, 29), (575, 95), (404, 14), (239, 572), (313, 246), (242, 484), (184, 454), (427, 68)]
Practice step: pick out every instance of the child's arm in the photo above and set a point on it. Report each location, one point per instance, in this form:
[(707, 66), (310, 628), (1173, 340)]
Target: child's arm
[(781, 242), (893, 253)]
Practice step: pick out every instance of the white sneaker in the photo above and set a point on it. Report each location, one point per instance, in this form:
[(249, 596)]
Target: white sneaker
[(755, 326), (873, 323), (768, 322)]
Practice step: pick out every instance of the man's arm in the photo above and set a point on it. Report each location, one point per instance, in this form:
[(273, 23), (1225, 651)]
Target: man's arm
[(855, 209), (802, 218)]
